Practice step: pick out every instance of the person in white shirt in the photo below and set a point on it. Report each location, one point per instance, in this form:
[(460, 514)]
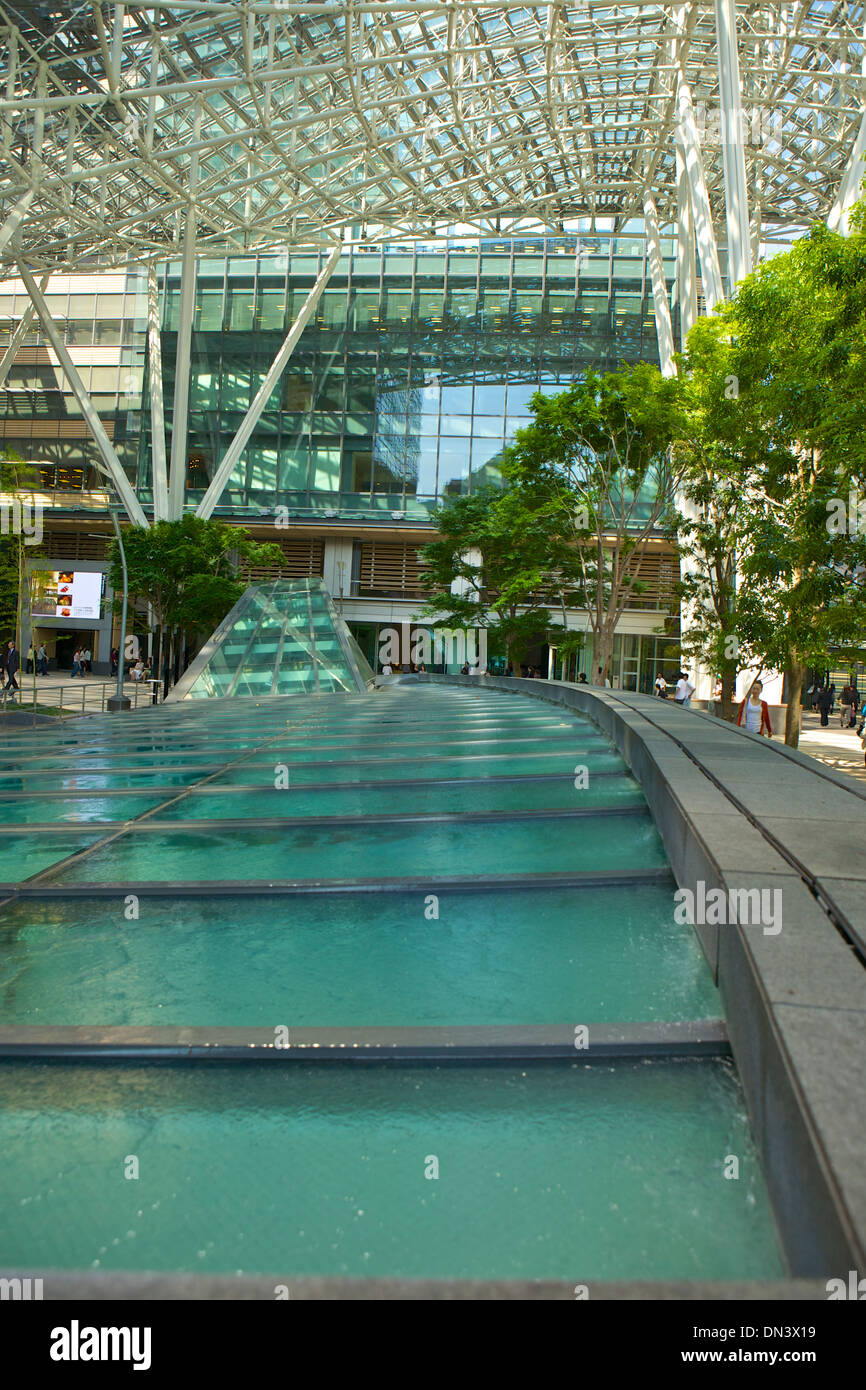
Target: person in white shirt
[(386, 669), (684, 691), (661, 687)]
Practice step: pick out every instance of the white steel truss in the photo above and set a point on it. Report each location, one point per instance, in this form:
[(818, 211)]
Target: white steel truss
[(267, 122)]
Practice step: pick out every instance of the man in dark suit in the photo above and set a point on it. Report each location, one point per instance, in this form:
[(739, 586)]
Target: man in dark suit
[(13, 662)]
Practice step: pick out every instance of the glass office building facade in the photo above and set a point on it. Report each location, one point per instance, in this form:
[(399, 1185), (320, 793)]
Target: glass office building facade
[(414, 373), (405, 387)]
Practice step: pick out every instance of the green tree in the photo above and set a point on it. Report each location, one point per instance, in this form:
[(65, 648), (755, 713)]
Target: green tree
[(597, 468), (713, 512), (501, 556), (189, 572), (796, 333)]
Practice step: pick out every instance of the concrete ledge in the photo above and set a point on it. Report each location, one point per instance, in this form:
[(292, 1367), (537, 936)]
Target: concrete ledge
[(492, 1043), (736, 812), (60, 1285)]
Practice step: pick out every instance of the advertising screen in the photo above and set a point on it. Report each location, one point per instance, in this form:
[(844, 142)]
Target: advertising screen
[(69, 594)]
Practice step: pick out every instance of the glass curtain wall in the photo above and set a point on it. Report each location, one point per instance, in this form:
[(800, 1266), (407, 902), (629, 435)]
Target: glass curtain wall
[(103, 320), (415, 371)]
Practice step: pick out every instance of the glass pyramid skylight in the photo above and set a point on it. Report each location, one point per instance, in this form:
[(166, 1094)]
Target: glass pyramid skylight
[(284, 638)]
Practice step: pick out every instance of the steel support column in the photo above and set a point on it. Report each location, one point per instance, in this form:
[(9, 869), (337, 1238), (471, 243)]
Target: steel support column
[(849, 184), (180, 414), (687, 270), (159, 476), (706, 237), (253, 415), (661, 305), (755, 231), (733, 153), (95, 425), (15, 218)]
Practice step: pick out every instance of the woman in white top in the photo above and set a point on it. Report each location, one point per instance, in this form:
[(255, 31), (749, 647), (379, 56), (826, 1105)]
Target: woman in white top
[(754, 714)]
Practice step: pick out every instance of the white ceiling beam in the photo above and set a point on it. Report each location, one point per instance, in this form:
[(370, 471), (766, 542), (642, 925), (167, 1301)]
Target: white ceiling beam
[(733, 154), (849, 185), (661, 304)]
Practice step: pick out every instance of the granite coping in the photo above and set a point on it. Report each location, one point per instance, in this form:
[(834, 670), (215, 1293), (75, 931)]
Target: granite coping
[(69, 1286), (739, 815)]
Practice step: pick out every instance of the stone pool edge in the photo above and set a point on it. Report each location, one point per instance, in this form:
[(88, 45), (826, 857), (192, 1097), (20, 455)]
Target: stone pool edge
[(152, 1286), (795, 1002)]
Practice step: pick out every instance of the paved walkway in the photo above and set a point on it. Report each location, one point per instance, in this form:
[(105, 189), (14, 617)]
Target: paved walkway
[(838, 748), (86, 694)]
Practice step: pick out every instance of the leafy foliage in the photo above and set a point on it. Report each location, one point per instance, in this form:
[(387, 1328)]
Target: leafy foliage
[(500, 555), (597, 470), (188, 570), (770, 463)]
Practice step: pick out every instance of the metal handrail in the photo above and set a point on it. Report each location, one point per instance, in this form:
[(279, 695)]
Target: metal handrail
[(26, 698)]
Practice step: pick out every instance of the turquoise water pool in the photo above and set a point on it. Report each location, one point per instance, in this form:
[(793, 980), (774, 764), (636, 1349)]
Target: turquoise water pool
[(426, 795), (568, 1172), (545, 956)]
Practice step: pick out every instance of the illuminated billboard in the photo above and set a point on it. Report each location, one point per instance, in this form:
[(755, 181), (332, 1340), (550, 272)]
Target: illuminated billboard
[(67, 594)]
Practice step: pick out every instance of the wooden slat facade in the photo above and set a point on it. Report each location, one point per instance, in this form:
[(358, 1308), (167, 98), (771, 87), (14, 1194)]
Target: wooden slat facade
[(389, 571), (304, 558), (74, 545)]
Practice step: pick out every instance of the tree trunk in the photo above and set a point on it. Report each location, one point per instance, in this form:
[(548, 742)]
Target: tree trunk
[(165, 658), (729, 682), (603, 656), (794, 674)]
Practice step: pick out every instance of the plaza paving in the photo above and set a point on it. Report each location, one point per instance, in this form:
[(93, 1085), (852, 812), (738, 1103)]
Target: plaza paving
[(838, 748), (84, 694)]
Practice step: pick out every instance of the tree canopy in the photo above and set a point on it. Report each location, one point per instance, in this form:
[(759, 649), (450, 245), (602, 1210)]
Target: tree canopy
[(596, 468), (775, 446), (188, 570)]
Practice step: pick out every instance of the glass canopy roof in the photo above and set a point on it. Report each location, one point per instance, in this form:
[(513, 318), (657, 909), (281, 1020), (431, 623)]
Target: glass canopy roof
[(284, 638), (282, 121)]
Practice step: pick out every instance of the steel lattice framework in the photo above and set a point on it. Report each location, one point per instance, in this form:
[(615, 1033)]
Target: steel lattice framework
[(287, 122)]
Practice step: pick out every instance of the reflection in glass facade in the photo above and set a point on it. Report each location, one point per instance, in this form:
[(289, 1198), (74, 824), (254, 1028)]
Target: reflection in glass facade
[(414, 373), (103, 321)]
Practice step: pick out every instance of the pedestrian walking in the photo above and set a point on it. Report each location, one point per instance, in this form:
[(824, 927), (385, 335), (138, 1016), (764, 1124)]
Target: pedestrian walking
[(846, 704), (85, 665), (754, 712), (29, 666), (661, 687), (13, 662), (42, 660), (825, 704), (76, 662), (684, 691)]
